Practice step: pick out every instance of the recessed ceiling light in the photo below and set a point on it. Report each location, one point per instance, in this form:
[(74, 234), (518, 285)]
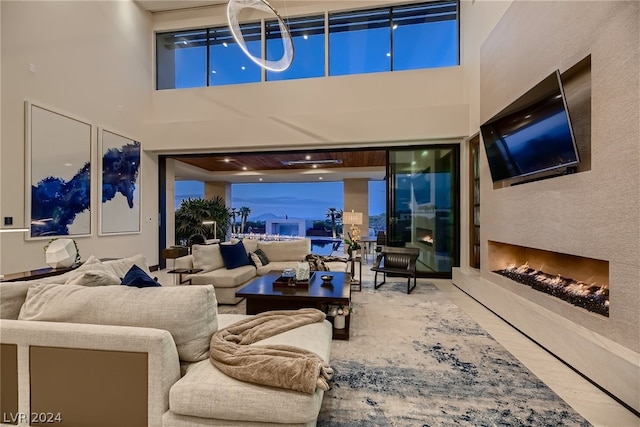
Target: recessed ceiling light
[(227, 160), (306, 37), (225, 44), (395, 26), (314, 166), (244, 168), (388, 53), (243, 68), (213, 71), (259, 179), (320, 178), (307, 157)]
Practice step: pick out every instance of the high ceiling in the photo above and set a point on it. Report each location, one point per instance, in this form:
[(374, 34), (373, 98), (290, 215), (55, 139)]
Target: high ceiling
[(269, 167)]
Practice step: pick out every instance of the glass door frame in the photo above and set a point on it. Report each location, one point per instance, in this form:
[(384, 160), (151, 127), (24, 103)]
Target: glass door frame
[(391, 201)]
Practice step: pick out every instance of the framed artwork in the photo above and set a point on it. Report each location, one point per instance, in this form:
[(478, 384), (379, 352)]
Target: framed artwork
[(119, 184), (57, 174)]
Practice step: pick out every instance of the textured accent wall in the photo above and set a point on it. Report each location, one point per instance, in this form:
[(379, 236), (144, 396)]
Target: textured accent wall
[(596, 212)]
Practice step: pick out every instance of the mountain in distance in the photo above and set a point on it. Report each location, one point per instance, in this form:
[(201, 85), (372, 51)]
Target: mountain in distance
[(263, 217), (269, 215)]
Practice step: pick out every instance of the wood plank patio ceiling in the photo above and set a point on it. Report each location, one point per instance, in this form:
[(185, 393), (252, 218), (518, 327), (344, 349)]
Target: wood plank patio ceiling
[(273, 161)]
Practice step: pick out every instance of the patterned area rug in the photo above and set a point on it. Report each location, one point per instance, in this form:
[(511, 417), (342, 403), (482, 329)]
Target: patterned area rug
[(419, 360)]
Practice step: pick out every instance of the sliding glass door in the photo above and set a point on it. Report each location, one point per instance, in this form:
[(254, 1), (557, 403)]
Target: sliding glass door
[(423, 205)]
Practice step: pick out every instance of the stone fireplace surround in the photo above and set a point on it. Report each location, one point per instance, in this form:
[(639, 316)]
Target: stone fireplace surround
[(594, 213)]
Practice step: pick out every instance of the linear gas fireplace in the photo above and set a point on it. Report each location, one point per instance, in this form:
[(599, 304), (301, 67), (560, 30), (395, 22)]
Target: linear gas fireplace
[(424, 236), (581, 281)]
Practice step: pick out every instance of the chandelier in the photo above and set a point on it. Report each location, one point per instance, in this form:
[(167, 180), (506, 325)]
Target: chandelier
[(233, 11)]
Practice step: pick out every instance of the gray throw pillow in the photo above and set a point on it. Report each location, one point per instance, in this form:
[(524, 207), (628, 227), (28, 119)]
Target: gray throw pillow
[(259, 258)]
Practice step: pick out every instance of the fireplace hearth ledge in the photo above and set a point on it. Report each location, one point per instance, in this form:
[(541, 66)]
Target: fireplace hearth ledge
[(612, 366)]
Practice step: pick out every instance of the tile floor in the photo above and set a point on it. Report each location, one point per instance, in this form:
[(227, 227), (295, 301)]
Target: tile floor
[(594, 405)]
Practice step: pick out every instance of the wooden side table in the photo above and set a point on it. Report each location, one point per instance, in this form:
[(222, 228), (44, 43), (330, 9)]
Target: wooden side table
[(175, 252), (181, 271)]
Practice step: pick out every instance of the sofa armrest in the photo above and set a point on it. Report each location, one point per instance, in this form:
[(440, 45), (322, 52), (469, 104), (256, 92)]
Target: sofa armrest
[(184, 262), (91, 373)]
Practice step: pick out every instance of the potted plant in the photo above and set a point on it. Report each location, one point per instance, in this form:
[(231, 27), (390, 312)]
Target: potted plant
[(352, 245), (193, 212)]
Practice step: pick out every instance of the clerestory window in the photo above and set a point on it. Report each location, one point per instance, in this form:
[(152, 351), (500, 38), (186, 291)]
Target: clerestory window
[(394, 38), (228, 64), (307, 34)]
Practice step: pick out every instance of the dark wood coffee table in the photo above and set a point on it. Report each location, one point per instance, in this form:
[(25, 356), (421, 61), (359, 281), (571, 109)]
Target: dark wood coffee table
[(262, 295)]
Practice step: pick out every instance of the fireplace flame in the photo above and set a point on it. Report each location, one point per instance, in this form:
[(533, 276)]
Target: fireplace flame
[(593, 297)]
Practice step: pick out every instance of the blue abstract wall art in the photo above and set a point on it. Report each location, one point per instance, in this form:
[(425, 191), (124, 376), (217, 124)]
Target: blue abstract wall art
[(119, 185), (58, 165), (120, 171), (55, 203)]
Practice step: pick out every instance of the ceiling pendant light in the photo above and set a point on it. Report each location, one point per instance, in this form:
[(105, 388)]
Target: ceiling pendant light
[(233, 11)]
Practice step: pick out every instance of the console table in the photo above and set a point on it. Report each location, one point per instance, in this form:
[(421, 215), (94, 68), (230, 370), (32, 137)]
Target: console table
[(39, 273)]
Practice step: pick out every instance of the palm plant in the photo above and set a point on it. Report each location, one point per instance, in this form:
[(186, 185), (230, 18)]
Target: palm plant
[(244, 215), (232, 214), (334, 214), (192, 212)]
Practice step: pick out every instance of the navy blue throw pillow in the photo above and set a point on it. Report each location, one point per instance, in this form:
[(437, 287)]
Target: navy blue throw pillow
[(138, 278), (234, 256)]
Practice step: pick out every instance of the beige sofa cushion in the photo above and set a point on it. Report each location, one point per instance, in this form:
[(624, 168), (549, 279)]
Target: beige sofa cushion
[(207, 257), (286, 250), (94, 278), (188, 313), (120, 266), (208, 393), (12, 296), (223, 278)]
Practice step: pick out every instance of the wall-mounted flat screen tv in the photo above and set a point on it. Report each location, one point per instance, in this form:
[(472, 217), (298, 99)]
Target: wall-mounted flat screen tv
[(533, 134), (421, 184)]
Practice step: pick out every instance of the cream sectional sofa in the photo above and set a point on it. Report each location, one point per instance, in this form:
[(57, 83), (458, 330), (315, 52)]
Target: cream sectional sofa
[(117, 355), (281, 254)]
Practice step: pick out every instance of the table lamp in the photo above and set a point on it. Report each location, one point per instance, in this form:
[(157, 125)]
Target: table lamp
[(355, 219)]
